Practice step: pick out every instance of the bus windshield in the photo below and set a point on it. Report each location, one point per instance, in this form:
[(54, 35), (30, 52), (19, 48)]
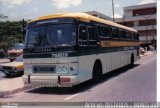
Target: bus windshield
[(51, 35)]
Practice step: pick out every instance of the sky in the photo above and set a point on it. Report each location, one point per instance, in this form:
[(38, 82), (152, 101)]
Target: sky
[(31, 9)]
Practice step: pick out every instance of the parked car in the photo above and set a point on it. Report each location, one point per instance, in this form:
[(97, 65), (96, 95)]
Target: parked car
[(15, 68), (15, 51)]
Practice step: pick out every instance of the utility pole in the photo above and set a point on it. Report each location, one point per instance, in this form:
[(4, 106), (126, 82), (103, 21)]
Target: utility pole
[(113, 10), (23, 27)]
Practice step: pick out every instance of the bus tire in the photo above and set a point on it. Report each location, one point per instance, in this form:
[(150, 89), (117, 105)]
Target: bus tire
[(97, 71), (132, 60)]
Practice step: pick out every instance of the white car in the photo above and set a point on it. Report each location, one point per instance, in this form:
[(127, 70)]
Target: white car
[(13, 68)]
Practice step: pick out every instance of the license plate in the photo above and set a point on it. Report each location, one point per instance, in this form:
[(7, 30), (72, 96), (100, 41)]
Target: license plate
[(46, 69)]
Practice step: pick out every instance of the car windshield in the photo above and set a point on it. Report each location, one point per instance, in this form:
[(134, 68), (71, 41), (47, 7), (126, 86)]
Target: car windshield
[(19, 59), (51, 35), (19, 46)]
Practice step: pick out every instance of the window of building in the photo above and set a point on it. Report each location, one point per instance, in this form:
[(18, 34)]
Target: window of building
[(129, 24), (147, 33), (147, 22), (146, 11)]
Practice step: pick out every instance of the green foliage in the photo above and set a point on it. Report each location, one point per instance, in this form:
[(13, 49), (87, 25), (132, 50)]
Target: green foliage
[(11, 32)]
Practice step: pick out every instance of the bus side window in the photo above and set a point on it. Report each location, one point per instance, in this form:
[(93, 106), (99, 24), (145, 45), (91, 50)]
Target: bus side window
[(99, 30), (120, 35), (83, 37), (123, 34), (132, 36), (128, 35), (115, 33), (110, 32), (92, 36), (103, 31), (137, 36), (107, 32)]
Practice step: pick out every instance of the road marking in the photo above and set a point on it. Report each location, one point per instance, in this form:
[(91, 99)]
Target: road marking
[(71, 96)]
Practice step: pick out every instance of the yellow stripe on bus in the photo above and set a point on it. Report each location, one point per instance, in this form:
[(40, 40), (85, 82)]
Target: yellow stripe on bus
[(118, 44)]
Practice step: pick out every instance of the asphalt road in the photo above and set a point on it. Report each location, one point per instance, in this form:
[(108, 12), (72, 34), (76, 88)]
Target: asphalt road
[(136, 84)]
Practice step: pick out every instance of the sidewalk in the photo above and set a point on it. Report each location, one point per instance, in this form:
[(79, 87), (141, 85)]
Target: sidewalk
[(10, 85), (148, 53)]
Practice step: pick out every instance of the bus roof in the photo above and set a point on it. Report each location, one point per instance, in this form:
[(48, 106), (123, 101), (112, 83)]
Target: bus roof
[(85, 17)]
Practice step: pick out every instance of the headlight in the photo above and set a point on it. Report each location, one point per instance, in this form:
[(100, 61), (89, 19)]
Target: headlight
[(62, 69), (28, 70)]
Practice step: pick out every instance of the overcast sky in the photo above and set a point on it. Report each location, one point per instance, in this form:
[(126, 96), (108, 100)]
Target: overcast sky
[(31, 9)]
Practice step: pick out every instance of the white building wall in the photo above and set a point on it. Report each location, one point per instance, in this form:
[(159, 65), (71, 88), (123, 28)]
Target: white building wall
[(128, 16)]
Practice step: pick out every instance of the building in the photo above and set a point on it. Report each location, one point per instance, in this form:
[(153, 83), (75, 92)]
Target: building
[(100, 15), (143, 19)]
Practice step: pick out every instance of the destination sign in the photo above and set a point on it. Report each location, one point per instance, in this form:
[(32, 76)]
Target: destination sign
[(48, 21)]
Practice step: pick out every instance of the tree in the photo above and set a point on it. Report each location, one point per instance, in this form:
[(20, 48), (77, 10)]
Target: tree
[(3, 17), (11, 32)]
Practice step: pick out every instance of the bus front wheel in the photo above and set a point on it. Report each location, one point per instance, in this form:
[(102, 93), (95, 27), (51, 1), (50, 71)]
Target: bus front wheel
[(97, 71)]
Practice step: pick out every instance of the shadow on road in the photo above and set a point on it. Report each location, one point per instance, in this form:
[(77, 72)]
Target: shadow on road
[(10, 77), (86, 86)]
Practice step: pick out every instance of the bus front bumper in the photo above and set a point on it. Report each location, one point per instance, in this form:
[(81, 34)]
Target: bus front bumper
[(52, 81)]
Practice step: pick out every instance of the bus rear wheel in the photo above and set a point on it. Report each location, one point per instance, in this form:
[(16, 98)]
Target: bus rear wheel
[(132, 60), (97, 71)]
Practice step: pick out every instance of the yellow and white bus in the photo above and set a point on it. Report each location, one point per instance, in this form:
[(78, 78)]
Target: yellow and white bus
[(70, 48)]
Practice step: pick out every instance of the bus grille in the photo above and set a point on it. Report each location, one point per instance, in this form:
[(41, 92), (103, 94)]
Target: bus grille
[(7, 68)]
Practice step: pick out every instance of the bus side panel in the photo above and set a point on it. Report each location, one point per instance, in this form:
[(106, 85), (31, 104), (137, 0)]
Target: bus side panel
[(108, 62), (102, 57), (85, 66), (124, 58), (116, 61)]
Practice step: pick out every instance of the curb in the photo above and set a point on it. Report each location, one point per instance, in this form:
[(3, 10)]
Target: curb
[(147, 54)]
